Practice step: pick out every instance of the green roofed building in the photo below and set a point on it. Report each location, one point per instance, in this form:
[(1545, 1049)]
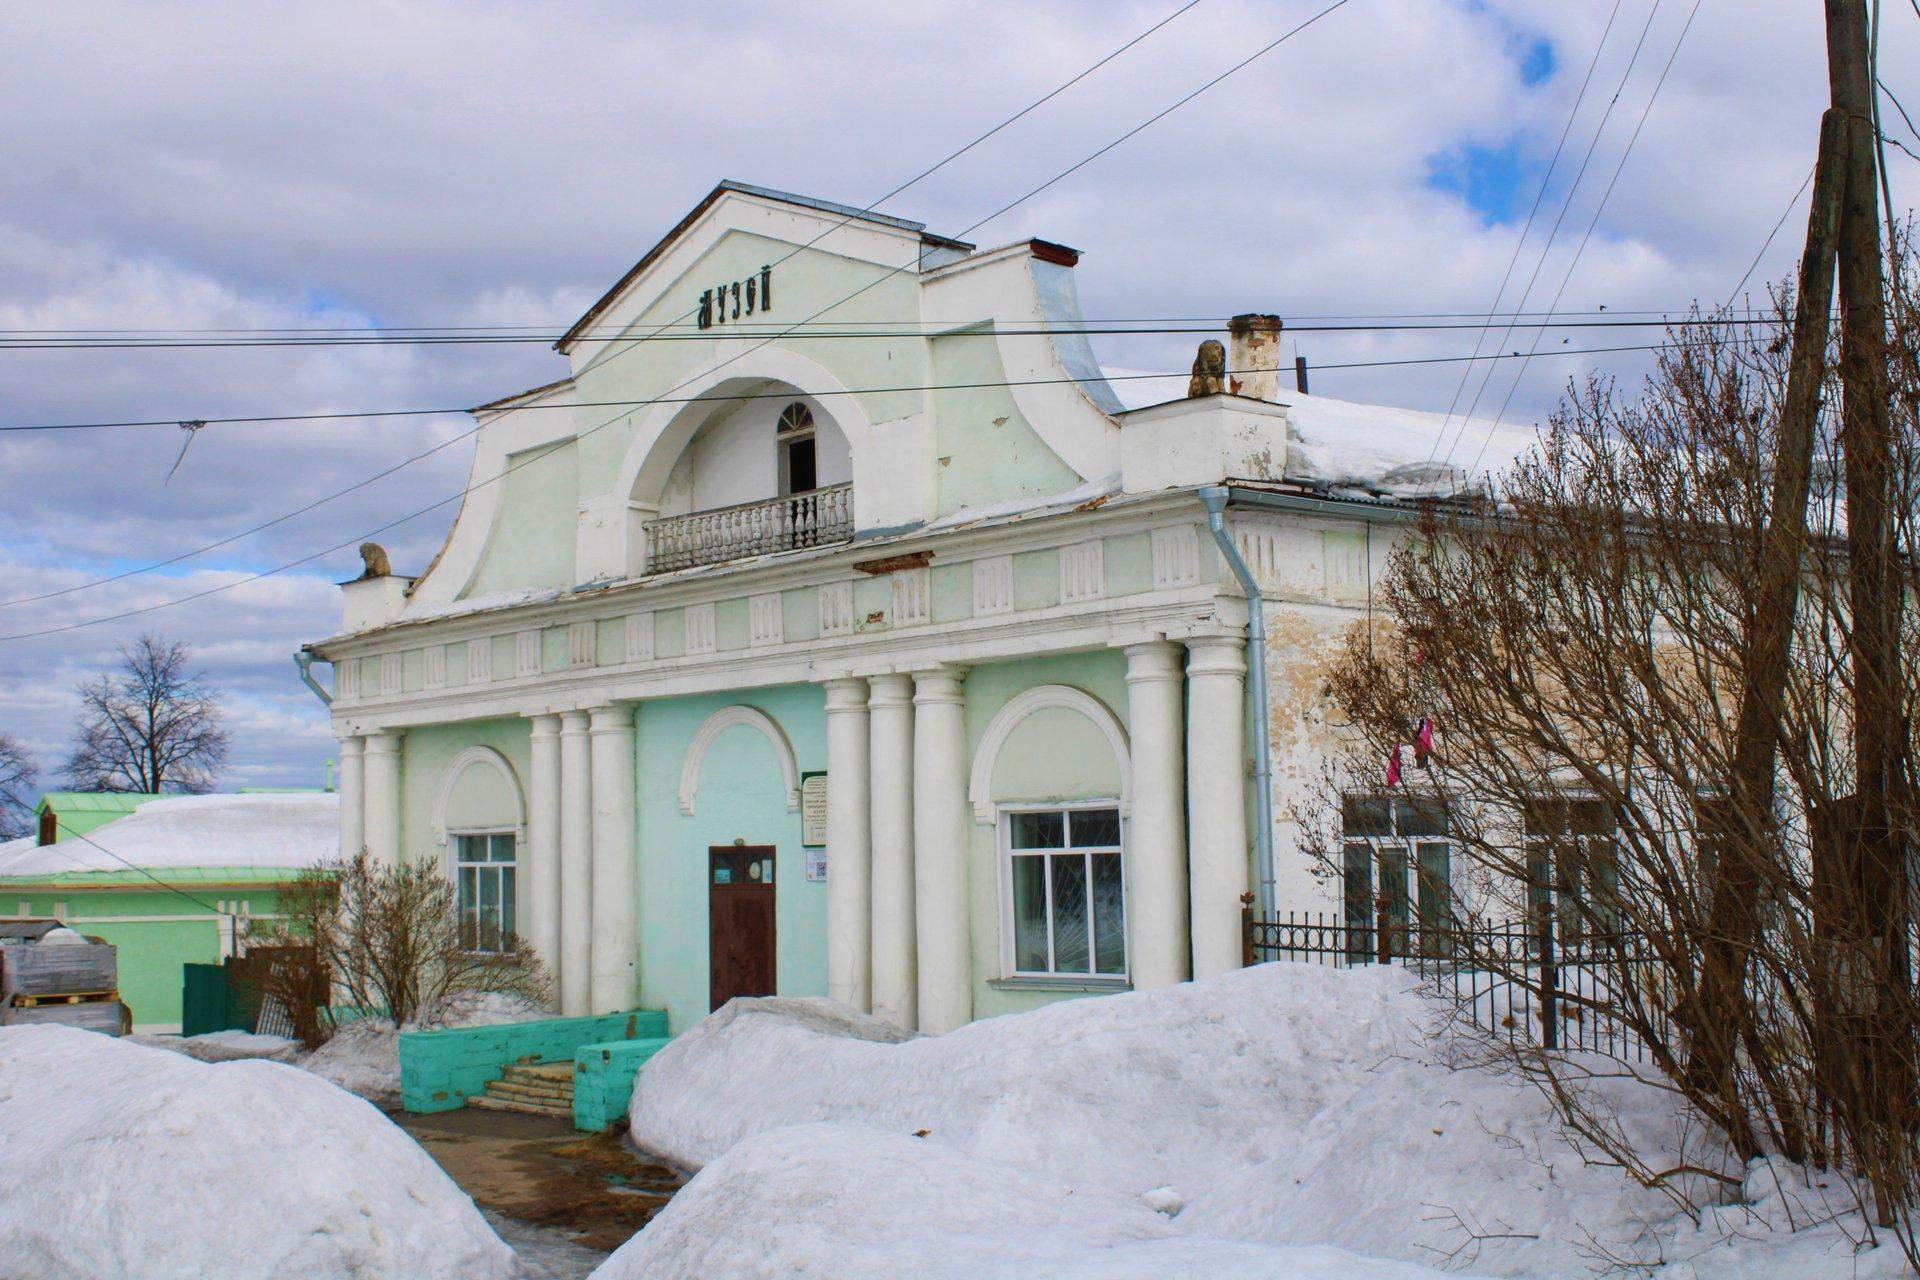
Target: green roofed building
[(62, 815), (169, 880)]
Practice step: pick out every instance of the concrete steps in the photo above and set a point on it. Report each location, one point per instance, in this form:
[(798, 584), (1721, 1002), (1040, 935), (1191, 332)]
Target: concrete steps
[(533, 1088)]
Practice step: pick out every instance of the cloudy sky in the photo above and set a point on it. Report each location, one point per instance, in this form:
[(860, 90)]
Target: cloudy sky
[(227, 166)]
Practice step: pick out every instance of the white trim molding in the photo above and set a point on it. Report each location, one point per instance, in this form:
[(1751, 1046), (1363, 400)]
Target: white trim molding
[(1017, 709), (718, 723), (467, 759)]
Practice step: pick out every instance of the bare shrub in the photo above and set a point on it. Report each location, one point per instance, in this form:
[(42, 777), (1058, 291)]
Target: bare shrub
[(369, 938)]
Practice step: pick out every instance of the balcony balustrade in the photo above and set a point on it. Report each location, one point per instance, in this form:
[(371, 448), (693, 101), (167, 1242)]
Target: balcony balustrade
[(816, 518)]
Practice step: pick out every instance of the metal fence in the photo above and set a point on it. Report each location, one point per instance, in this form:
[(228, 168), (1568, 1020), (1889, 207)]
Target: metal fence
[(1533, 983)]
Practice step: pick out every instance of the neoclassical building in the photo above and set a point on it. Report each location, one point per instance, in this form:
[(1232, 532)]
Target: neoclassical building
[(835, 627)]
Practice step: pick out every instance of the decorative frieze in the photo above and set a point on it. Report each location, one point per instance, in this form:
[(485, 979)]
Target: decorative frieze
[(1082, 572), (700, 631), (640, 637), (1176, 557), (434, 667), (346, 679), (392, 665), (992, 586), (912, 597), (1260, 546), (583, 643), (766, 620), (527, 653), (479, 660), (836, 609)]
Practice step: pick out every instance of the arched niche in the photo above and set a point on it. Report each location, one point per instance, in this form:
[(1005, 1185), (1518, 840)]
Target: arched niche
[(1100, 757), (718, 723), (481, 792)]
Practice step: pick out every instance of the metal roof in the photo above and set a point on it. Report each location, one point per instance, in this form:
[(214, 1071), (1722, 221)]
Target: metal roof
[(93, 801)]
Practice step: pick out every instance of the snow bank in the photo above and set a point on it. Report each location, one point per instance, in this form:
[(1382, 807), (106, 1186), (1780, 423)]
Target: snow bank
[(1177, 1087), (1274, 1110), (226, 1046), (854, 1203), (362, 1057), (290, 831), (119, 1160)]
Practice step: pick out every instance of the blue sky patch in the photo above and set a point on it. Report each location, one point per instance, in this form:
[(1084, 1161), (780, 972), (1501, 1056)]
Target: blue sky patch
[(1496, 182)]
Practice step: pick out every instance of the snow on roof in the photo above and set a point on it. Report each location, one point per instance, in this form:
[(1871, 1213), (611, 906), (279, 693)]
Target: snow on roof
[(1367, 449), (278, 831)]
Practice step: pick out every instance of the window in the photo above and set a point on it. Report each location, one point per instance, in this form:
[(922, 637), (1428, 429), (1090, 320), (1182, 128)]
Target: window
[(1570, 864), (1400, 845), (483, 874), (1065, 892), (795, 435)]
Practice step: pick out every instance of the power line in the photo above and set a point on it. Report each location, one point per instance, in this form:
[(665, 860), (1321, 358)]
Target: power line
[(1043, 330), (1593, 222), (454, 497), (1566, 206), (170, 888), (1768, 242), (1546, 180)]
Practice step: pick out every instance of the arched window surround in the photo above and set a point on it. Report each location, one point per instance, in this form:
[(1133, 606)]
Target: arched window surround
[(1017, 709), (718, 723), (483, 757)]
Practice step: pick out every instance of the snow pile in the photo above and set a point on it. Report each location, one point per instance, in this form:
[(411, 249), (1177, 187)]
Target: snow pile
[(1132, 1092), (855, 1203), (226, 1046), (119, 1160), (1354, 449), (362, 1057), (1228, 1127), (290, 831)]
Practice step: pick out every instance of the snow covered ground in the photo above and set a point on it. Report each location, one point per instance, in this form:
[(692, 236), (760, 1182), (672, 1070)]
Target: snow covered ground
[(1220, 1127), (122, 1160)]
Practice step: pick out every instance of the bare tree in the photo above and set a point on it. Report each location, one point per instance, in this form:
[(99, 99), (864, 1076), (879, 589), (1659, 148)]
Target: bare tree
[(1587, 650), (152, 725), (389, 939), (18, 776)]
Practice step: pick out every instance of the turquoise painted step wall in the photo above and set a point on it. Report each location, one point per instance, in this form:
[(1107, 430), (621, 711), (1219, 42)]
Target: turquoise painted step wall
[(440, 1070), (603, 1080)]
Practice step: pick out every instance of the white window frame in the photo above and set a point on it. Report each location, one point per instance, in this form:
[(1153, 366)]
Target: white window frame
[(455, 864), (1003, 822), (784, 435)]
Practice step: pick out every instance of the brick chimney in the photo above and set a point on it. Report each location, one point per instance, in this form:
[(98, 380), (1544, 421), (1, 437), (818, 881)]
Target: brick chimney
[(1253, 356)]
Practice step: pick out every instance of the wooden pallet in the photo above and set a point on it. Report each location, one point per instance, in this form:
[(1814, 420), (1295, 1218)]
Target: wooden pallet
[(75, 997)]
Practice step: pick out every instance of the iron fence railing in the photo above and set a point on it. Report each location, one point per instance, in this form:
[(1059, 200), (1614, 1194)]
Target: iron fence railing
[(816, 518), (1529, 982)]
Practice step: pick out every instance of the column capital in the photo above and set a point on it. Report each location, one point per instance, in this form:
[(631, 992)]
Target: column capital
[(545, 725), (845, 693), (352, 745), (1153, 660), (384, 741), (614, 718), (1217, 656), (572, 722), (939, 684), (893, 689)]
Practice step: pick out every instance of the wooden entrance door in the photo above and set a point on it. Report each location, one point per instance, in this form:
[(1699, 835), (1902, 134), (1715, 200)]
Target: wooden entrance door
[(740, 921)]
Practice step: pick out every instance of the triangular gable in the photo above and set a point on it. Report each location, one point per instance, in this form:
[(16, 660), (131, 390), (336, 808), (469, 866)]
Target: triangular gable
[(723, 190)]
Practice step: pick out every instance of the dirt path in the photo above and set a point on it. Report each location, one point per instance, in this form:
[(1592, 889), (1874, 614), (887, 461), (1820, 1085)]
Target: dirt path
[(589, 1190)]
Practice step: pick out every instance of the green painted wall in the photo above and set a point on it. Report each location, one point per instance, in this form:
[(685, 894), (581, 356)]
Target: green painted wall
[(531, 542), (985, 451), (741, 797), (440, 1070), (427, 753), (1055, 755), (167, 931)]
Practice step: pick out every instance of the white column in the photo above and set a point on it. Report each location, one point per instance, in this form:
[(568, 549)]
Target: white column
[(1216, 799), (890, 711), (940, 850), (540, 867), (353, 795), (576, 866), (849, 847), (1156, 851), (381, 815), (615, 905)]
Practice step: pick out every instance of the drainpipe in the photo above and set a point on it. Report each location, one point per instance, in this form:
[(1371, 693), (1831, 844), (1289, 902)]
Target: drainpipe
[(303, 661), (1215, 499)]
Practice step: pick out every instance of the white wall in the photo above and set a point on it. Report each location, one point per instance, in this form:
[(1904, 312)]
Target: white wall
[(732, 459)]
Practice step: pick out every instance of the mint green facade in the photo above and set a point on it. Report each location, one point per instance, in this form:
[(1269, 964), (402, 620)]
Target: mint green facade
[(155, 931), (78, 812)]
